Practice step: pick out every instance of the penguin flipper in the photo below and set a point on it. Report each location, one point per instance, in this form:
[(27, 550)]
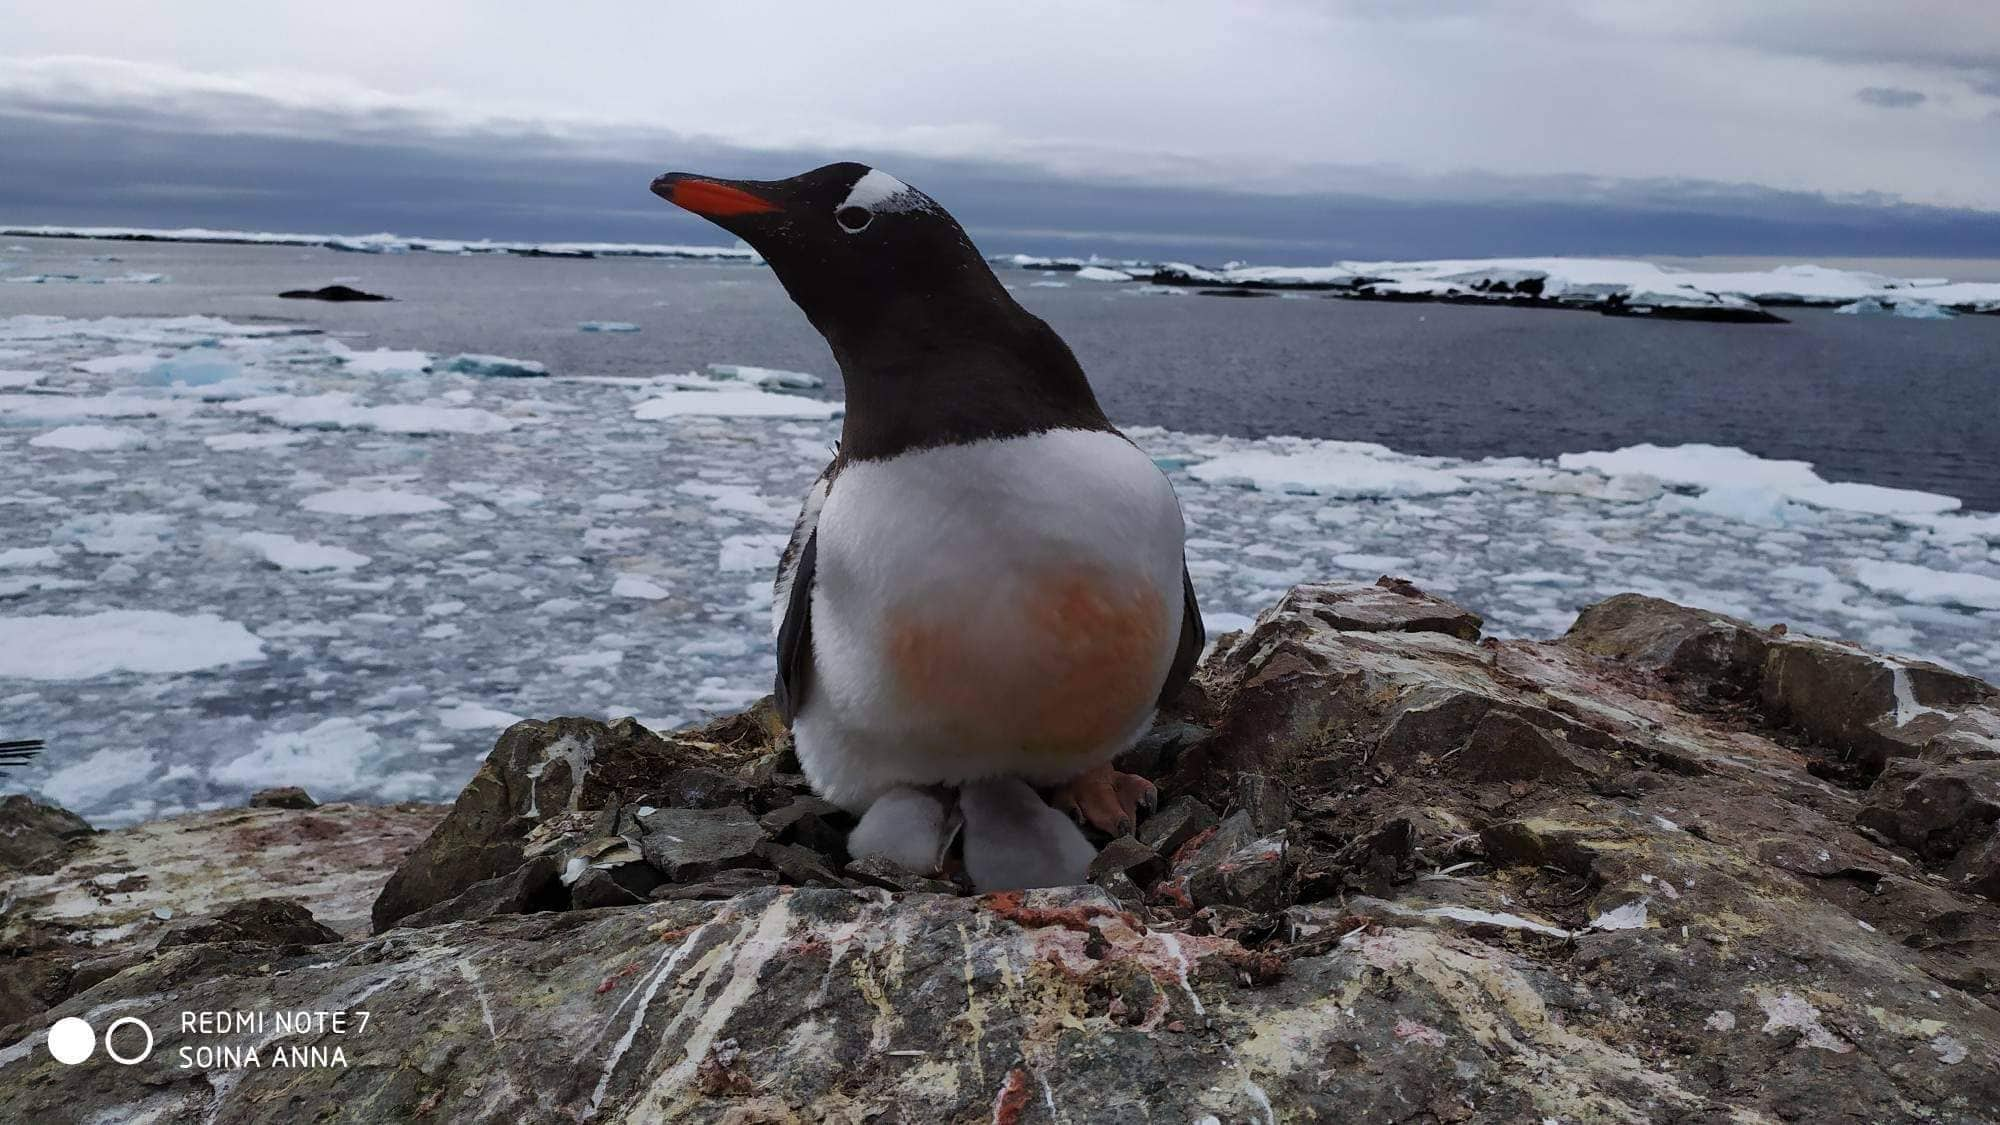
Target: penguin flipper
[(1014, 840), (1193, 637), (792, 592)]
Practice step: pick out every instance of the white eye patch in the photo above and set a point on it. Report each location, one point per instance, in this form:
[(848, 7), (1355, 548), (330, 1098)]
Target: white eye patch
[(879, 191)]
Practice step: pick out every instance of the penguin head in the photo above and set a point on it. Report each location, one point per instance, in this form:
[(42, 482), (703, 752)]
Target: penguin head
[(847, 241)]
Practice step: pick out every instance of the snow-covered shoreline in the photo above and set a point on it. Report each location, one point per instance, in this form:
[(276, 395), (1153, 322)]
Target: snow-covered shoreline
[(393, 243), (1615, 285), (275, 557)]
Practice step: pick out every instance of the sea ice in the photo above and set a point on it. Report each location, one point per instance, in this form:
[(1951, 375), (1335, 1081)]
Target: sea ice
[(372, 502), (495, 366), (287, 553), (89, 439), (232, 443), (1926, 586), (475, 716), (91, 780), (1329, 468), (338, 411), (734, 404), (120, 640), (13, 380), (197, 367), (638, 586), (380, 361), (606, 326), (769, 378), (333, 758)]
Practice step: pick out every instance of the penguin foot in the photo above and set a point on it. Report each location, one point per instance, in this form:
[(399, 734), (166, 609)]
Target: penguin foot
[(1014, 840), (1106, 799), (911, 828)]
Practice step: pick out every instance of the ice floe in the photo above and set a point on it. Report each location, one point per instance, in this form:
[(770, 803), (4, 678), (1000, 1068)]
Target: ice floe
[(495, 366), (89, 439), (371, 502), (58, 647), (606, 326), (726, 403), (588, 560), (287, 553)]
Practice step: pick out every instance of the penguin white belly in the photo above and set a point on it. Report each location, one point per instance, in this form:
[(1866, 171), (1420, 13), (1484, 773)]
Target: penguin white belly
[(1001, 608)]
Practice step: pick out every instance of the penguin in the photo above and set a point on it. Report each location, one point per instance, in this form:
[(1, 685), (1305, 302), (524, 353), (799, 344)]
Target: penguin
[(985, 597)]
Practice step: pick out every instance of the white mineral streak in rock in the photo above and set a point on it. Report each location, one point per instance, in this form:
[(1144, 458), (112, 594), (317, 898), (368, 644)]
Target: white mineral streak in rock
[(1786, 1012)]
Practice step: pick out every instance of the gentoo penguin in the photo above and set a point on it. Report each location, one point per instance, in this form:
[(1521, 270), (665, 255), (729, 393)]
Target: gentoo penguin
[(986, 592)]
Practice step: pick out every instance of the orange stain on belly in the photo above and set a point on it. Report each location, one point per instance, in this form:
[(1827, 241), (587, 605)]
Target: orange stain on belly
[(1077, 665)]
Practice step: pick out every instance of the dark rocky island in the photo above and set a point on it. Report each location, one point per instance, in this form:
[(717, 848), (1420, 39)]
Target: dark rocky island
[(1671, 866), (332, 293)]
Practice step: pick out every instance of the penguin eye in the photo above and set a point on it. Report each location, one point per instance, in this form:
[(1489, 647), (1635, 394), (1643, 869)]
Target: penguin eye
[(853, 219)]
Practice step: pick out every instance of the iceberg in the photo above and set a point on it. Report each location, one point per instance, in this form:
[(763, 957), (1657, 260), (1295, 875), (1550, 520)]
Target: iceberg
[(495, 366), (196, 367), (1099, 273), (769, 378), (1910, 308)]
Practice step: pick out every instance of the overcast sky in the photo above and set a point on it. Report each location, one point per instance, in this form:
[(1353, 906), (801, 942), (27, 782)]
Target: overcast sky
[(1322, 127)]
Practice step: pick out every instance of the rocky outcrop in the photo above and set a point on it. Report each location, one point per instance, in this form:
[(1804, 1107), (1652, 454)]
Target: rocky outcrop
[(339, 293), (1670, 867)]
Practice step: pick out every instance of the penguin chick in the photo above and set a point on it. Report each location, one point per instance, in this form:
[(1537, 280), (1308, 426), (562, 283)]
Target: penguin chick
[(1014, 840), (910, 828)]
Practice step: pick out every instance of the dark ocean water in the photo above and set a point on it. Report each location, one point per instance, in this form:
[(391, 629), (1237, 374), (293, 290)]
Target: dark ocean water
[(1903, 403)]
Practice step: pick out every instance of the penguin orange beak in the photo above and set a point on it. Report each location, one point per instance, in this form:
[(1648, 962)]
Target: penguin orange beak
[(711, 199)]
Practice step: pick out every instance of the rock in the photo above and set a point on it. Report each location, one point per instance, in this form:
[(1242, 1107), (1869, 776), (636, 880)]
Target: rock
[(1861, 704), (609, 871), (1948, 813), (100, 905), (551, 780), (534, 886), (332, 293), (799, 867), (1127, 857), (725, 885), (1389, 605), (1681, 645), (1263, 799), (1601, 878), (812, 823), (268, 921), (34, 837), (1181, 820), (687, 845), (1507, 747), (283, 797), (874, 871), (1236, 866)]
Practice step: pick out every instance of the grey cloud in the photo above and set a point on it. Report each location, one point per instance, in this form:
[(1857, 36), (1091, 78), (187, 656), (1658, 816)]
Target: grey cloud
[(1890, 97)]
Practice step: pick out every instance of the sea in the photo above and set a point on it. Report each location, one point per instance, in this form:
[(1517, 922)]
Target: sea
[(327, 560)]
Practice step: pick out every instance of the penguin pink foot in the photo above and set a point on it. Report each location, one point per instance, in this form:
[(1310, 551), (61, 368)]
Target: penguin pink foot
[(1106, 799), (911, 828), (1014, 840)]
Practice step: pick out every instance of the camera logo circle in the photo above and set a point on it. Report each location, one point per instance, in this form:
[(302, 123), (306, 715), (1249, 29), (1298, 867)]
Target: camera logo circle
[(137, 1057), (71, 1040)]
